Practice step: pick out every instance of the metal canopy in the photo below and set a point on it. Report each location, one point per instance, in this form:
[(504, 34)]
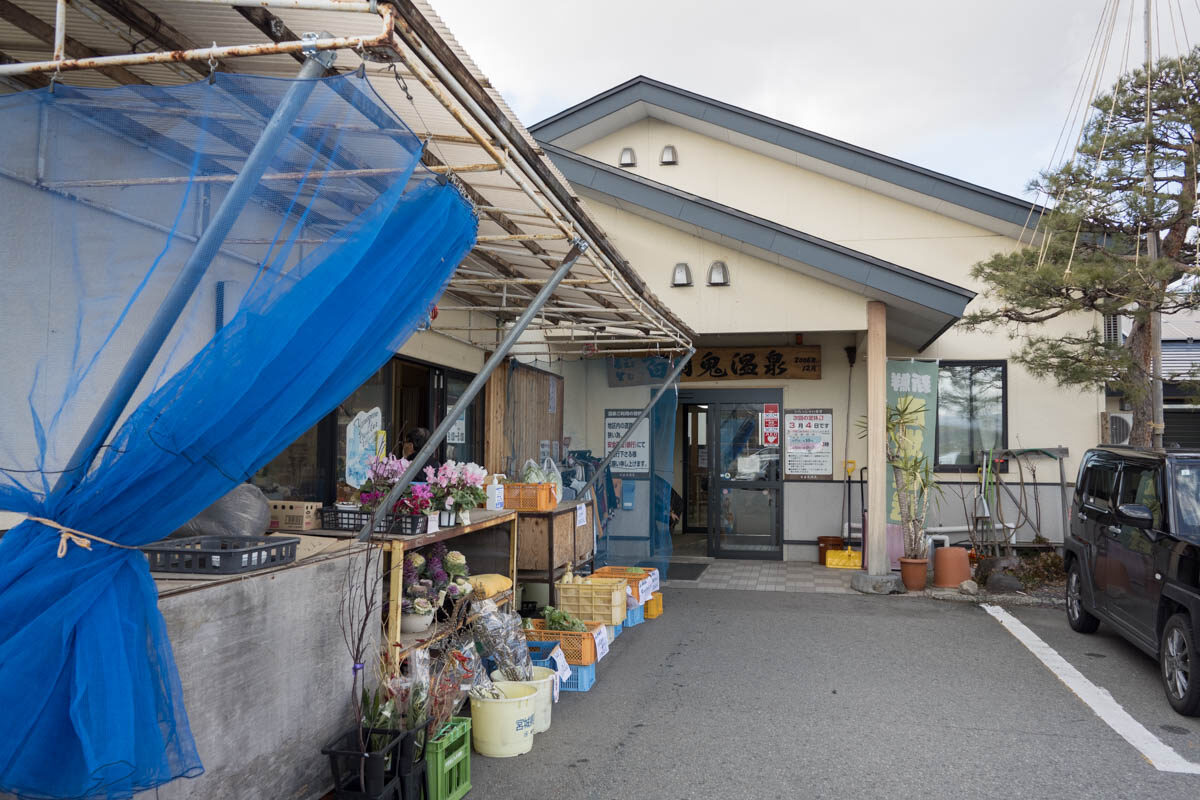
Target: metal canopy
[(529, 217)]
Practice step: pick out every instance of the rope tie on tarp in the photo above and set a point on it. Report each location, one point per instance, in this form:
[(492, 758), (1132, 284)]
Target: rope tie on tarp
[(71, 536)]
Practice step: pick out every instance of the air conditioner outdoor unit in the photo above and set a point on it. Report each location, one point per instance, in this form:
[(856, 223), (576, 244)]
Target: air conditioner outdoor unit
[(1119, 428)]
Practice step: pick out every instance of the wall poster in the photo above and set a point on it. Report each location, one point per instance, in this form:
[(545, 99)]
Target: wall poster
[(808, 443), (634, 459)]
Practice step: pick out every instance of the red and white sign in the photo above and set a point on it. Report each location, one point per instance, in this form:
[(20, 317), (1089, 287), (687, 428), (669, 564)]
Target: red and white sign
[(770, 424)]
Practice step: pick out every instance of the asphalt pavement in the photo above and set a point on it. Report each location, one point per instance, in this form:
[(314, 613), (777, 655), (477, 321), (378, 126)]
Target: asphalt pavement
[(764, 694)]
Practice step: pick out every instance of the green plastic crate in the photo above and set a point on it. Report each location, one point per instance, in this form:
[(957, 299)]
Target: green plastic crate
[(448, 761)]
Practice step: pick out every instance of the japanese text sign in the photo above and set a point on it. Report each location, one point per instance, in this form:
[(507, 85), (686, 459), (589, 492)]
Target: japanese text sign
[(754, 363)]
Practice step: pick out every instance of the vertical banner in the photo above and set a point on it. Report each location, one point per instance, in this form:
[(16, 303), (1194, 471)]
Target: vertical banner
[(918, 380)]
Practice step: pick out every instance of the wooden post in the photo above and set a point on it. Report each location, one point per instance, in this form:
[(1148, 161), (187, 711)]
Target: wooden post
[(495, 439), (876, 546), (395, 565)]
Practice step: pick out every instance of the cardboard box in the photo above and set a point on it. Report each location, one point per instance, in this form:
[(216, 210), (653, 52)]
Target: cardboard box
[(295, 515)]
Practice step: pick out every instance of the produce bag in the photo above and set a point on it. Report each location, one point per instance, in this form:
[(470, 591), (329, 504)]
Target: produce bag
[(499, 636), (245, 511), (552, 475)]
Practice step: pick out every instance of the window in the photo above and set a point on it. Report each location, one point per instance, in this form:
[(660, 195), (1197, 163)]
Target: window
[(1139, 486), (1101, 485), (972, 412)]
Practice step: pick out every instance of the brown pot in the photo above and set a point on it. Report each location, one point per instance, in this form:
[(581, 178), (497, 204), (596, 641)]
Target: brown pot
[(912, 572), (950, 567)]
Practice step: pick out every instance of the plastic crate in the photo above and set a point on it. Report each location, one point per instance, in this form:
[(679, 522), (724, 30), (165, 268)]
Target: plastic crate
[(635, 616), (338, 519), (582, 678), (578, 646), (634, 579), (654, 606), (529, 496), (448, 761), (220, 555), (614, 631), (602, 600)]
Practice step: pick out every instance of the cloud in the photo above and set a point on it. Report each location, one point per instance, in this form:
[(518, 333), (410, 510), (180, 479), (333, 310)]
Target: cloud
[(975, 89)]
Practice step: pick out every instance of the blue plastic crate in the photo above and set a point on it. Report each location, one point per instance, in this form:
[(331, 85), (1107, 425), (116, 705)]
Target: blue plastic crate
[(582, 678), (635, 616), (614, 631)]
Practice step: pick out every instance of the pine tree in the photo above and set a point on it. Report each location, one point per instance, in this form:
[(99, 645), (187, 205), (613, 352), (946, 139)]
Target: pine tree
[(1090, 254)]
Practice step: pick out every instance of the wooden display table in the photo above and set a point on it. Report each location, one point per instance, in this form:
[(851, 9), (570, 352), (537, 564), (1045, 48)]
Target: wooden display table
[(551, 541), (490, 544)]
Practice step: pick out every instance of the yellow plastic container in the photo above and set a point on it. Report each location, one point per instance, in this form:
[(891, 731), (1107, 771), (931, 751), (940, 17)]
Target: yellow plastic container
[(602, 600), (503, 727), (654, 606), (543, 681)]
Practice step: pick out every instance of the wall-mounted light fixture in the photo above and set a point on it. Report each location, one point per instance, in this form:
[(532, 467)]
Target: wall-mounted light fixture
[(718, 274), (669, 156), (628, 159), (682, 275)]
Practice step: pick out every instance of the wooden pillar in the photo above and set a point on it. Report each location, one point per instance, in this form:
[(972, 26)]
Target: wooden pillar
[(876, 546), (495, 405)]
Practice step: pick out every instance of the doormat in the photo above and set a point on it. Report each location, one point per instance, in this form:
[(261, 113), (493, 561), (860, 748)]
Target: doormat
[(685, 572)]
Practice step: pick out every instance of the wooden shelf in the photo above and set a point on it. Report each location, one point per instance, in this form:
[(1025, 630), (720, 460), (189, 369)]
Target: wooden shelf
[(480, 520)]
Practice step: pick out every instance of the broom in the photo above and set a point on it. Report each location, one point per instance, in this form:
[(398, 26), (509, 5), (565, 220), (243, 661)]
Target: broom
[(848, 558)]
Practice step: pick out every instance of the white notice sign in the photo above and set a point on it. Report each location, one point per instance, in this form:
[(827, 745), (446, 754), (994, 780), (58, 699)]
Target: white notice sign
[(809, 443), (580, 515), (600, 634), (634, 459), (360, 444)]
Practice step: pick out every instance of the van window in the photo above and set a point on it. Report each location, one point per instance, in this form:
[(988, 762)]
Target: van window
[(1101, 483), (1139, 485)]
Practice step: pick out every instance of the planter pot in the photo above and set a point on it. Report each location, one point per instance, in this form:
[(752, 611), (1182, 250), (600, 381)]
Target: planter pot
[(464, 517), (951, 567), (446, 519), (415, 623), (912, 572), (431, 523)]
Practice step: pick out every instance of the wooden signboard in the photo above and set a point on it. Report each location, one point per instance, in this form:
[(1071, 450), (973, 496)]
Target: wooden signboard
[(754, 363)]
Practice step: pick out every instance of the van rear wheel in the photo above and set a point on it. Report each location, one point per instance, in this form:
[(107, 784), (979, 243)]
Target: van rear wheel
[(1175, 653), (1081, 620)]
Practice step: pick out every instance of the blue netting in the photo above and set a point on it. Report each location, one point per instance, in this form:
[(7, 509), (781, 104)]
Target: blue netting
[(341, 248)]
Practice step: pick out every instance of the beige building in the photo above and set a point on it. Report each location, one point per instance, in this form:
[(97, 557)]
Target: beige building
[(761, 234)]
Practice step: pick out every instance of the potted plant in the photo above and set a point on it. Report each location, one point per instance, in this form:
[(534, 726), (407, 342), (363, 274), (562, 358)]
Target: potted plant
[(913, 476), (414, 505), (467, 490), (416, 614)]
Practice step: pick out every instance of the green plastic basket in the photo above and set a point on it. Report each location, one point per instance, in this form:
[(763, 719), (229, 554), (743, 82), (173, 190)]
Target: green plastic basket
[(448, 761)]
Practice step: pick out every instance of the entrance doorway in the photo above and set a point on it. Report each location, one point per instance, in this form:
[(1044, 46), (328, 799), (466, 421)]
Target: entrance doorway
[(733, 488)]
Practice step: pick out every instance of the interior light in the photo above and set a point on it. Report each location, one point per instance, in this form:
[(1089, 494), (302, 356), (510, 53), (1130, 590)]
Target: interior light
[(669, 156), (682, 276), (718, 274), (628, 159)]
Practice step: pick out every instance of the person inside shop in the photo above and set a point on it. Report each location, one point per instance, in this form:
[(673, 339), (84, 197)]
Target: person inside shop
[(414, 440)]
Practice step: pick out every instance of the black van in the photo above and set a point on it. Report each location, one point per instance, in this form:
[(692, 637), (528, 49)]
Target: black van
[(1133, 555)]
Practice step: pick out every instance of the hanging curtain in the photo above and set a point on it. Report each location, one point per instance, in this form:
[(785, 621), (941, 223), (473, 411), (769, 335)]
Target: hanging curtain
[(326, 271)]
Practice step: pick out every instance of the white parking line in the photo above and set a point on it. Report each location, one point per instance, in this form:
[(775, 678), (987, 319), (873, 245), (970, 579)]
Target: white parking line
[(1097, 698)]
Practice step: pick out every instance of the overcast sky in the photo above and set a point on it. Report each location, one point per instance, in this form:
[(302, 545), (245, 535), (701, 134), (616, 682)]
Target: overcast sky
[(977, 89)]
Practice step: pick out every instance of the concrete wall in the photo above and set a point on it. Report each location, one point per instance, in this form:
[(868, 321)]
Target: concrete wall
[(266, 679)]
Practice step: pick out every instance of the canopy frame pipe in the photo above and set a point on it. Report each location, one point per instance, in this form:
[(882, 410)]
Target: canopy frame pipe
[(666, 384), (181, 291), (578, 248)]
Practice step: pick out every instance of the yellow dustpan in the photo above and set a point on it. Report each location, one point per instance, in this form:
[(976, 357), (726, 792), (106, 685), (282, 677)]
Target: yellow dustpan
[(848, 558), (844, 559)]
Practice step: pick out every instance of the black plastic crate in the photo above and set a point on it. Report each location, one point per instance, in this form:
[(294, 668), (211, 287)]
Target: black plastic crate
[(337, 519), (220, 555)]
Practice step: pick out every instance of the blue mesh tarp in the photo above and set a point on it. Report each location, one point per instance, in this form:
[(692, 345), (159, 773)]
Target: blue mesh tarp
[(335, 258)]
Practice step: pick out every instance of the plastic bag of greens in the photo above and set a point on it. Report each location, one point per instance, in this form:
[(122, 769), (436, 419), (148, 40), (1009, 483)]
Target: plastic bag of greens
[(552, 475), (532, 473), (500, 636)]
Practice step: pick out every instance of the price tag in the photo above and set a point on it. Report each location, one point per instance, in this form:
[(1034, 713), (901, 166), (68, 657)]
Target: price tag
[(580, 515), (644, 590), (561, 667), (556, 682), (654, 581), (600, 634)]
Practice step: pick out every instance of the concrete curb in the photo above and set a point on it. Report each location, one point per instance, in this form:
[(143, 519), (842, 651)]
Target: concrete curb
[(955, 596)]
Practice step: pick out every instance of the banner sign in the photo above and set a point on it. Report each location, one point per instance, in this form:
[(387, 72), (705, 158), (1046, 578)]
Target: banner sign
[(917, 380), (361, 441), (634, 459), (770, 425), (648, 371), (754, 363), (808, 452)]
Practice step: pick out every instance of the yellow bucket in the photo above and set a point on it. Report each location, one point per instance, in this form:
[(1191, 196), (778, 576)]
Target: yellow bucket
[(543, 681), (502, 727)]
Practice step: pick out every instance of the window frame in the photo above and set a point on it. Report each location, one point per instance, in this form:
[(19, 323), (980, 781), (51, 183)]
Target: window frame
[(937, 440), (1156, 468)]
